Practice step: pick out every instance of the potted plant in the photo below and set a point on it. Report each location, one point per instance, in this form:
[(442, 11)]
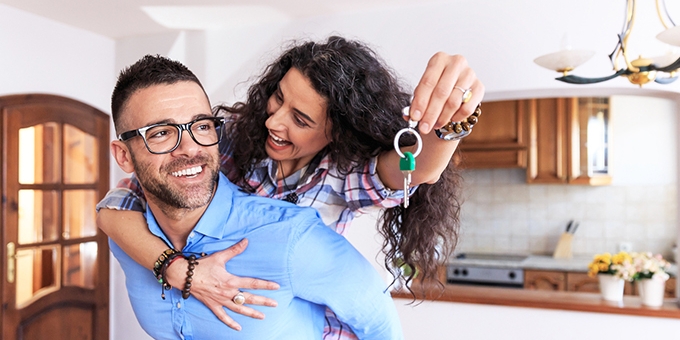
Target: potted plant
[(651, 274), (612, 271)]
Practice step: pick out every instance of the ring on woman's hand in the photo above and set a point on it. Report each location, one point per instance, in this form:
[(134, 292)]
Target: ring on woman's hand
[(239, 298), (467, 94)]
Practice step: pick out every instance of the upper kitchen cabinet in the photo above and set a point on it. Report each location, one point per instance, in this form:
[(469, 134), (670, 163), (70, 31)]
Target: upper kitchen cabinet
[(568, 141), (498, 139), (557, 140), (589, 142)]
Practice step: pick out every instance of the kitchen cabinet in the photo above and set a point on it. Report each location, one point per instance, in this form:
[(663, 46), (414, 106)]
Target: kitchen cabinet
[(547, 140), (549, 280), (568, 141), (581, 282), (670, 288), (557, 140), (544, 280), (498, 139)]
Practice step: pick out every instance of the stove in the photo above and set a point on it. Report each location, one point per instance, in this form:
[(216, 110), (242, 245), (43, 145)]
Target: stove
[(499, 270)]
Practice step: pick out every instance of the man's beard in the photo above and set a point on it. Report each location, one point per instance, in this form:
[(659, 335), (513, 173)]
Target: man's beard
[(169, 195)]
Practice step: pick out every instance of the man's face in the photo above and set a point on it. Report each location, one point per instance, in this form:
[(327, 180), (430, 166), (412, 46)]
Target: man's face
[(184, 178)]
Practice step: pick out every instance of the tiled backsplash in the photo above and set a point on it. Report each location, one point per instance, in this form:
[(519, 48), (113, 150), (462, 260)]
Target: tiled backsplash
[(501, 213)]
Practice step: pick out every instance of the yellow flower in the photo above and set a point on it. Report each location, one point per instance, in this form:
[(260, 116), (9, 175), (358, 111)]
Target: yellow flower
[(621, 258)]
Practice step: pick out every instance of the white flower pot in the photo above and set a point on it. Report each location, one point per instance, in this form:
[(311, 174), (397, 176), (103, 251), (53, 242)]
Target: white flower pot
[(652, 291), (611, 287)]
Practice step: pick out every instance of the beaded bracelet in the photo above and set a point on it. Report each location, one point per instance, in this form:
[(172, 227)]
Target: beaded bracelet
[(459, 130), (193, 262), (186, 292), (162, 279), (161, 260)]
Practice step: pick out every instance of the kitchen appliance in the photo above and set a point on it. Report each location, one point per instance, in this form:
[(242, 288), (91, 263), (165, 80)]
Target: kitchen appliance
[(486, 270)]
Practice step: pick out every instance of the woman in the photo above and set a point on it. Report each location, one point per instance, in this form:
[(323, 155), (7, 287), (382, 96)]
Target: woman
[(317, 129)]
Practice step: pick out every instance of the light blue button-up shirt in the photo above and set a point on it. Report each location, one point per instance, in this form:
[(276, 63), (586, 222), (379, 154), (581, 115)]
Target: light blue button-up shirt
[(290, 245)]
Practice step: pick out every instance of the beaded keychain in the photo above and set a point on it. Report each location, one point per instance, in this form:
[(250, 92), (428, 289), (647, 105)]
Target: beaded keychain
[(407, 163)]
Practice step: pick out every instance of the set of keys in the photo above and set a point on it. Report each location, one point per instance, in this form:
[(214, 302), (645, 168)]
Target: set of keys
[(407, 163)]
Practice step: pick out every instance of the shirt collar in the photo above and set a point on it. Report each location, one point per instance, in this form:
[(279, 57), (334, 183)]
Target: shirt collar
[(319, 163), (215, 217)]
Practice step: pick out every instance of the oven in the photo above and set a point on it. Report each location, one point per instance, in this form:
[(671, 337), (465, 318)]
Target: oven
[(486, 270)]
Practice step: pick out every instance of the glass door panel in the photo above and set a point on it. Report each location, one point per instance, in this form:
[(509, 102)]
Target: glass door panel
[(80, 156), (38, 216), (79, 264), (593, 136), (36, 273), (79, 213), (39, 160)]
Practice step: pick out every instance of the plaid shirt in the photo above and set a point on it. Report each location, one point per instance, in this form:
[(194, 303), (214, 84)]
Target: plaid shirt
[(338, 199)]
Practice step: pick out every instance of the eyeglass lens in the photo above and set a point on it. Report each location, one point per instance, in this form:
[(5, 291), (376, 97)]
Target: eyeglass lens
[(163, 138)]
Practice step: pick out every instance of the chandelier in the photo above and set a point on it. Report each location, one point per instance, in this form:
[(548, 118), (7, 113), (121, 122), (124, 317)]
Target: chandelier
[(640, 71)]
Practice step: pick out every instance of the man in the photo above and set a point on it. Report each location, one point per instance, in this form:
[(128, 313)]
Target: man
[(194, 208)]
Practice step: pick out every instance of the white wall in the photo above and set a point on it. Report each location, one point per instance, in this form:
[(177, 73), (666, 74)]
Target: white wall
[(39, 55)]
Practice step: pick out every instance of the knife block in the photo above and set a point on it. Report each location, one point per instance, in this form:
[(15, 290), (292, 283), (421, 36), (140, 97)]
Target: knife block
[(563, 249)]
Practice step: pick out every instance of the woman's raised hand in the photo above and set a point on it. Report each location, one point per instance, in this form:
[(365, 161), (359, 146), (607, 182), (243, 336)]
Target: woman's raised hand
[(439, 96)]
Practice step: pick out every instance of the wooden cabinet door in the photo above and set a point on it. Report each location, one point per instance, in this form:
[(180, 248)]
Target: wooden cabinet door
[(55, 168), (544, 280), (498, 140), (670, 288), (581, 282), (548, 140)]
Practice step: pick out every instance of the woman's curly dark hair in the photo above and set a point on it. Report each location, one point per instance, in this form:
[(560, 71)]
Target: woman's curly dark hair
[(364, 104)]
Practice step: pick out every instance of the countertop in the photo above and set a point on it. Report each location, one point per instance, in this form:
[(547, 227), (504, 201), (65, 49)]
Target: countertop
[(538, 262), (586, 302)]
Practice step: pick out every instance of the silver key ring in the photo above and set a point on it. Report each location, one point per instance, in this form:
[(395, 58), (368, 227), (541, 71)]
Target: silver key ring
[(410, 129)]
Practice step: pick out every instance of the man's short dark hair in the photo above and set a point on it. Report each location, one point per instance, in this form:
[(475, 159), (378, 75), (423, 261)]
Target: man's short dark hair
[(148, 71)]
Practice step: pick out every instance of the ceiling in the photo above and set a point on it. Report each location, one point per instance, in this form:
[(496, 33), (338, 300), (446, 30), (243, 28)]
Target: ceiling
[(123, 18)]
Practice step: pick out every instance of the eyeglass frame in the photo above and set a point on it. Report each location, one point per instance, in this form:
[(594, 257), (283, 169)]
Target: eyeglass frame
[(141, 132)]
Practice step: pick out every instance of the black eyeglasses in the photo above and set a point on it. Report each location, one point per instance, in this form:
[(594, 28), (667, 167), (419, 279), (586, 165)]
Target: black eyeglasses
[(165, 137)]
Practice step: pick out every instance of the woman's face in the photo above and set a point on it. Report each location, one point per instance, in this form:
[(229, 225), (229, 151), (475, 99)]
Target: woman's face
[(298, 125)]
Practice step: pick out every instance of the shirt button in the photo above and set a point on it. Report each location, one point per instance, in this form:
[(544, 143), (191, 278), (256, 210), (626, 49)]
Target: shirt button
[(191, 235), (179, 305)]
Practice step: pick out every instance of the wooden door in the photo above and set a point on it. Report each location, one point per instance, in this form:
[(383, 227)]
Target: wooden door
[(55, 260)]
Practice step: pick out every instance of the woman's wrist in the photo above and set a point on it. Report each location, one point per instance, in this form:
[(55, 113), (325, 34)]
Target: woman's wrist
[(175, 274), (459, 130)]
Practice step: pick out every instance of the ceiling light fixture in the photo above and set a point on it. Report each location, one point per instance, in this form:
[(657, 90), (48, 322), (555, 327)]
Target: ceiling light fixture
[(639, 71)]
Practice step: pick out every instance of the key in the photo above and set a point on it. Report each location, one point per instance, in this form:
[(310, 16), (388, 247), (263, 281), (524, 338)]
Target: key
[(407, 165)]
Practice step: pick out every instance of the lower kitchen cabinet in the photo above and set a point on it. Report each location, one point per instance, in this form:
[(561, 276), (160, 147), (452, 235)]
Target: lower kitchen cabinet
[(575, 282), (670, 288), (581, 282), (545, 280)]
